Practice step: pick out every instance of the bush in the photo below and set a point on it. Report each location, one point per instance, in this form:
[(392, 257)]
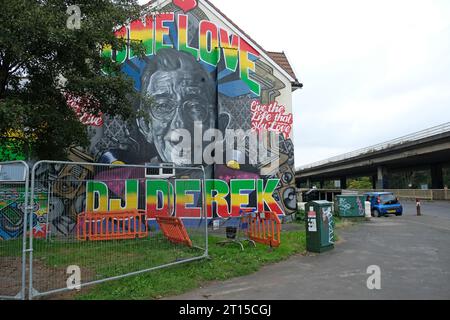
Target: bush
[(300, 216), (360, 184)]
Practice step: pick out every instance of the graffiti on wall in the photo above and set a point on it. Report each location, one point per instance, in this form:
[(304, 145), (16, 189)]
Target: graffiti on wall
[(12, 212), (185, 196), (197, 72), (200, 76), (272, 117), (204, 40)]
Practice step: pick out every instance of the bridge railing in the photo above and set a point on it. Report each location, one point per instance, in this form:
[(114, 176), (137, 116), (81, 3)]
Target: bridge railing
[(384, 145), (405, 194), (412, 194)]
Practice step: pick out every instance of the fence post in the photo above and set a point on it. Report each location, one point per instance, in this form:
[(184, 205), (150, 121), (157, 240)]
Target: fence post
[(27, 205), (14, 184)]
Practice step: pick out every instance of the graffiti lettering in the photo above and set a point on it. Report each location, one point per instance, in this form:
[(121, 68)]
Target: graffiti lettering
[(344, 206), (78, 106), (187, 197), (272, 118), (155, 34)]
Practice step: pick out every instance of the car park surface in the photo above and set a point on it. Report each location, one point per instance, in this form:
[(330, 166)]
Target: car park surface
[(412, 252)]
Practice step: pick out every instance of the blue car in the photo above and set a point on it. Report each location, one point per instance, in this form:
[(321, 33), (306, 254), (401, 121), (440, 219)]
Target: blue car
[(383, 203)]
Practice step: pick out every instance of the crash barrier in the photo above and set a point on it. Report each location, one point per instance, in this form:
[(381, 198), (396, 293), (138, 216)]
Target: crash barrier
[(94, 223), (174, 230), (14, 198), (264, 228), (115, 225)]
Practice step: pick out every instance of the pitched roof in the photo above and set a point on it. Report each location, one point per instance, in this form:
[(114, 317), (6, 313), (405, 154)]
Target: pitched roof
[(281, 59), (278, 57)]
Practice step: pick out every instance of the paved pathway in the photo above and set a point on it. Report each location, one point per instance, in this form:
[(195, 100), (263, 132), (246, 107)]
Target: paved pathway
[(412, 252)]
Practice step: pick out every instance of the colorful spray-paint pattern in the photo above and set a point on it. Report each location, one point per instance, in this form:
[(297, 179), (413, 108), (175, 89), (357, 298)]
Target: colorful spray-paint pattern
[(185, 195), (213, 44), (197, 69), (12, 199)]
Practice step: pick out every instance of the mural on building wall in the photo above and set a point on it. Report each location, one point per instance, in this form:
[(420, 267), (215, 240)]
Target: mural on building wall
[(196, 71), (184, 196)]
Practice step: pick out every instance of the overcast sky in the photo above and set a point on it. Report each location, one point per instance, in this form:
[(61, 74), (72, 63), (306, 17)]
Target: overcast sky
[(372, 70)]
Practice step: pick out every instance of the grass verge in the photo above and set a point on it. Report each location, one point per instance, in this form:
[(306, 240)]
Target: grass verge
[(226, 262)]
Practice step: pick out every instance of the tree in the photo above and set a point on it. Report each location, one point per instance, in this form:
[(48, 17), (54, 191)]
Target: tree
[(362, 183), (43, 62)]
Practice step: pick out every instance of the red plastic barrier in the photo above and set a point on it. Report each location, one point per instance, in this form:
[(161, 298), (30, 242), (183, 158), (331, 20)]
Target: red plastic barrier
[(264, 228), (174, 230), (112, 225)]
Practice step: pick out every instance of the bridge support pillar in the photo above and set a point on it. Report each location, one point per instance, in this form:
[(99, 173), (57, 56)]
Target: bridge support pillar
[(381, 178), (343, 183), (374, 181), (437, 177), (308, 183)]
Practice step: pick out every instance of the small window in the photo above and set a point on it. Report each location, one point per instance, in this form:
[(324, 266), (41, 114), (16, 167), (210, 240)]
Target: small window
[(152, 171), (168, 171), (164, 171)]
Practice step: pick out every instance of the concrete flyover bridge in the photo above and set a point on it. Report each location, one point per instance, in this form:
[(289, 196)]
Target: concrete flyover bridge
[(429, 149)]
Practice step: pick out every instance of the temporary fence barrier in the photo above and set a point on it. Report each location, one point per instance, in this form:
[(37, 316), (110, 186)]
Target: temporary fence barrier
[(264, 228), (115, 225), (14, 181), (174, 230), (89, 226)]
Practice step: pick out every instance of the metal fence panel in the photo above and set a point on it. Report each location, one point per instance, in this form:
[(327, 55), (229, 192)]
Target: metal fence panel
[(81, 232), (14, 181)]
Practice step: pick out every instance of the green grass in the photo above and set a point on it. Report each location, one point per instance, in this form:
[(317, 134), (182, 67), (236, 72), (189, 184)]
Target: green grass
[(110, 258), (107, 259), (225, 262)]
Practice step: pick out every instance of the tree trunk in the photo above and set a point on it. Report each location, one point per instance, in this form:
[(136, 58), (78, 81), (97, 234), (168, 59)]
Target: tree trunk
[(3, 81)]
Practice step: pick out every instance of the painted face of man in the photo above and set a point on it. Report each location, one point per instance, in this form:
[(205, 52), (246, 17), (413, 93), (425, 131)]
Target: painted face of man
[(180, 100)]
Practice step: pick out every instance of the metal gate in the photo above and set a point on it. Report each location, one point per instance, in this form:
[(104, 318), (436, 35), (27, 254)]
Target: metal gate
[(94, 223), (14, 176)]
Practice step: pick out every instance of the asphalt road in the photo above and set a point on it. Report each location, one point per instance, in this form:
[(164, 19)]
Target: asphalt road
[(412, 252)]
